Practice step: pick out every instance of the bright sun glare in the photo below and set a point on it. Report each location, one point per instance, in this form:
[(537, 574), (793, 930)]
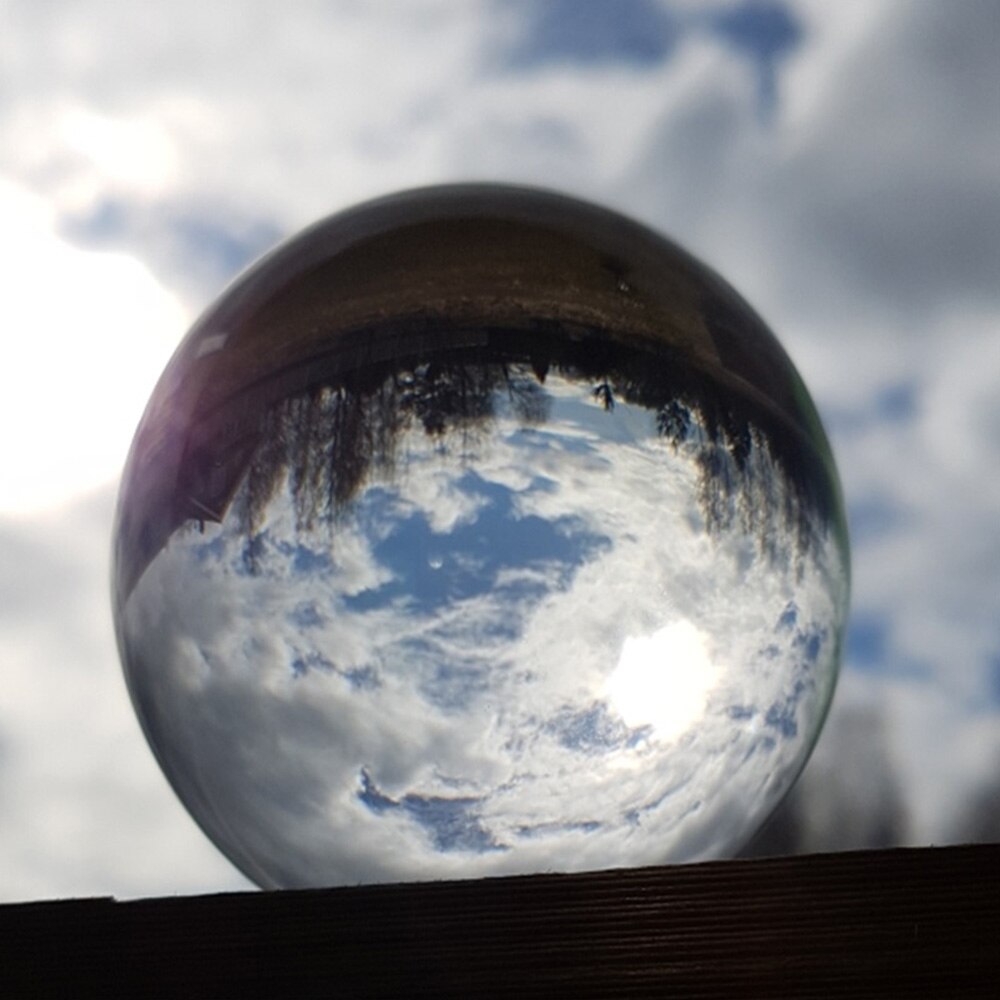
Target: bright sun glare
[(662, 680), (87, 334)]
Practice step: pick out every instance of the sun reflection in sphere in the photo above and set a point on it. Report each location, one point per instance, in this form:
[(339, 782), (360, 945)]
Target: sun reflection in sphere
[(663, 680)]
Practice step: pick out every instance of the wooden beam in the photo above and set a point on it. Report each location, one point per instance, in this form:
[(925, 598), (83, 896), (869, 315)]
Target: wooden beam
[(899, 923)]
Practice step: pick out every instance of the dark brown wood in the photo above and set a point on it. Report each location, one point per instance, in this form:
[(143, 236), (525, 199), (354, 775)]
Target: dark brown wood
[(900, 923)]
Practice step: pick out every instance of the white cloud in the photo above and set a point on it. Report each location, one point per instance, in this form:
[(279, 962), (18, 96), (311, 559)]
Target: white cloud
[(294, 115), (87, 334), (862, 223), (86, 811)]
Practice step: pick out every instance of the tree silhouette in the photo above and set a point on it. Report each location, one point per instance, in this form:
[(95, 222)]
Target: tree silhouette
[(328, 442), (343, 431)]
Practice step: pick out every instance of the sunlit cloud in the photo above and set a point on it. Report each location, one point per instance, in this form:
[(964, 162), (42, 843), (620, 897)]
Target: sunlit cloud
[(134, 154), (87, 335)]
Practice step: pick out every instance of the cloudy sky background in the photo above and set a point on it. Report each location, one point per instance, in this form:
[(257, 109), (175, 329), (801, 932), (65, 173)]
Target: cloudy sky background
[(837, 163)]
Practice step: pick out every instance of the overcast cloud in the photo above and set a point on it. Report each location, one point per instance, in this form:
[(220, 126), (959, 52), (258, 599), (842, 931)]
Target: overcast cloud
[(837, 163)]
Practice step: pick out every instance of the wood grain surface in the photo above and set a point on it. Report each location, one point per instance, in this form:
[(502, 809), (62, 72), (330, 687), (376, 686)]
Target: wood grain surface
[(898, 923)]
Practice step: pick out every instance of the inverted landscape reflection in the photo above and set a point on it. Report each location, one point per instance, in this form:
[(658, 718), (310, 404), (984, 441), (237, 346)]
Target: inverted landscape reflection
[(478, 600), (530, 626)]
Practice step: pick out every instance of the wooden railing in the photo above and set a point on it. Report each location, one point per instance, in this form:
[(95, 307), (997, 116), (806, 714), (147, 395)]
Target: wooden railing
[(899, 923)]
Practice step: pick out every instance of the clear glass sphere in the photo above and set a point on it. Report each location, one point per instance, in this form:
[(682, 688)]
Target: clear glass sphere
[(479, 530)]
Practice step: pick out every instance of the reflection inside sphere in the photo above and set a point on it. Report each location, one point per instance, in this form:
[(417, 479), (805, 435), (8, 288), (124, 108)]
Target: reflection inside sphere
[(471, 588)]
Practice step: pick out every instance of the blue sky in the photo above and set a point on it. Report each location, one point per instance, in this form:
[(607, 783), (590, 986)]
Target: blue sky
[(645, 32), (836, 163)]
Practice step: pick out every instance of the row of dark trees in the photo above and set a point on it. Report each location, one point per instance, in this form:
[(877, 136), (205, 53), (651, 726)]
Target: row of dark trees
[(345, 429)]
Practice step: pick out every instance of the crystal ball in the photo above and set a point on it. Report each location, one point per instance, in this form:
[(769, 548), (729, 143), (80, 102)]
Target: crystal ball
[(479, 530)]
